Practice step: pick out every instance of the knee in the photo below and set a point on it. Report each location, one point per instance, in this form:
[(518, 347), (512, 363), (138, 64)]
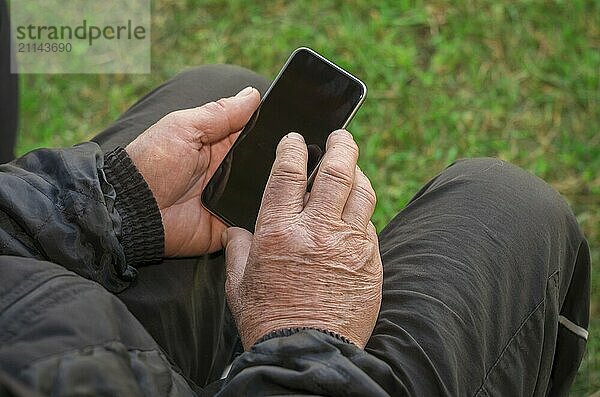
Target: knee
[(468, 166), (494, 173), (224, 78), (498, 175), (506, 188)]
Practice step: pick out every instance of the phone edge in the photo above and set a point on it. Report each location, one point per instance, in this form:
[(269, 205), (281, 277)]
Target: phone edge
[(311, 177), (244, 132)]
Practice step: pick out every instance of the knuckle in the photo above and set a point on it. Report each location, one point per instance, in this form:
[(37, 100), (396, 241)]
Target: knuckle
[(338, 171), (287, 171), (349, 147), (216, 107), (218, 113), (352, 147), (366, 194), (290, 163), (365, 190), (220, 105)]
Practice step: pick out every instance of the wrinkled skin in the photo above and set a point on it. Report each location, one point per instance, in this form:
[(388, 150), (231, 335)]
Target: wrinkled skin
[(314, 259), (178, 155)]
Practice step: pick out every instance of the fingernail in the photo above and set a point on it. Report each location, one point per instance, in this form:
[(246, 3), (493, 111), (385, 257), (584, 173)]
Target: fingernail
[(295, 135), (246, 91), (224, 238)]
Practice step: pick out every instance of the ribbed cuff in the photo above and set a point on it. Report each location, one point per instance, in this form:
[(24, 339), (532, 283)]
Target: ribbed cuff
[(291, 331), (142, 234)]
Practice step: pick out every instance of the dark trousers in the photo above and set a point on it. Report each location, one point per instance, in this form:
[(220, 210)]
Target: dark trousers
[(486, 274)]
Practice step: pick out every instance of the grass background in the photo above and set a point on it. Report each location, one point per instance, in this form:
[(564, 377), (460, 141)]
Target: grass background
[(518, 80)]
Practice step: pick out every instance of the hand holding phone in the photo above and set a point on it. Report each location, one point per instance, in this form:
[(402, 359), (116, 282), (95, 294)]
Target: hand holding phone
[(310, 96), (176, 156)]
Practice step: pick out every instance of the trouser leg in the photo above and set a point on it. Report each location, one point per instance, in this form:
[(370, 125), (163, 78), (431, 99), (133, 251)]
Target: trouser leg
[(191, 88), (486, 286), (181, 302), (9, 113)]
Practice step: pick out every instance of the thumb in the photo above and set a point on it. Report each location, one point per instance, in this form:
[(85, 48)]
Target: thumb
[(237, 242), (216, 120)]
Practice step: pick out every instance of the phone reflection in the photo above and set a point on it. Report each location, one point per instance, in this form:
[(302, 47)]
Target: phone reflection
[(315, 153), (221, 177)]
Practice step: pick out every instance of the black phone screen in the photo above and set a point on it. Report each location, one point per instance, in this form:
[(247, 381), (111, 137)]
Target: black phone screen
[(311, 96)]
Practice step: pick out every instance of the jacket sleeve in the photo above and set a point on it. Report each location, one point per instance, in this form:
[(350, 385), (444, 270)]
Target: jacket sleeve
[(63, 335), (310, 362), (91, 213)]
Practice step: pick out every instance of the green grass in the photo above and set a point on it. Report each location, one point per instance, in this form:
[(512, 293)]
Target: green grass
[(518, 80)]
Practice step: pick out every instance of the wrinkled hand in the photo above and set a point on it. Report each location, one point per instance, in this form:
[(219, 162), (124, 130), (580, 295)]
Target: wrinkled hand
[(311, 262), (178, 155)]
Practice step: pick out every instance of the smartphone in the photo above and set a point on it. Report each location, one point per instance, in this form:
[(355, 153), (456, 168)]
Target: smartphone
[(311, 96)]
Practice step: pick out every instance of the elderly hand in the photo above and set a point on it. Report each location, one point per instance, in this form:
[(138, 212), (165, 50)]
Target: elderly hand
[(311, 262), (178, 155)]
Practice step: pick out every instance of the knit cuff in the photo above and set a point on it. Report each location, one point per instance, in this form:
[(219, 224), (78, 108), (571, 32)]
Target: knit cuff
[(142, 233), (291, 331)]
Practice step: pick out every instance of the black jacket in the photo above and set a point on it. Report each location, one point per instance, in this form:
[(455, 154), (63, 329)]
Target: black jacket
[(74, 223)]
